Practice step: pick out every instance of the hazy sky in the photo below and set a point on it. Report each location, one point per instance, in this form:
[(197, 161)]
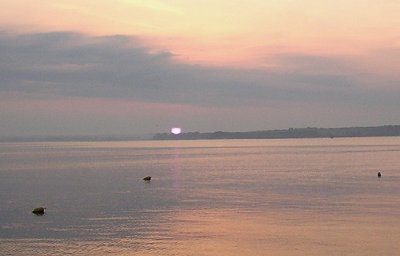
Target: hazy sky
[(73, 67)]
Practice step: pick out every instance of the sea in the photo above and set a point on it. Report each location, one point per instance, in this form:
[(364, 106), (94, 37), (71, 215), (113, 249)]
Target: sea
[(206, 197)]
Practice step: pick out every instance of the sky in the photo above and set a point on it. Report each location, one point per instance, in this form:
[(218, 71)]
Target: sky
[(124, 67)]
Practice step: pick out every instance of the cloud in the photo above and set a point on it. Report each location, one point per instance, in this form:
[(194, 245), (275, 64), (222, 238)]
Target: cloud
[(66, 63)]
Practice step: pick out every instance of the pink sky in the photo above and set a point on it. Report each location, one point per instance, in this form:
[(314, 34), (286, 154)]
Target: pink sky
[(221, 32)]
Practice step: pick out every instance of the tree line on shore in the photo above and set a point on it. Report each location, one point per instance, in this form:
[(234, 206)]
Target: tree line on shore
[(309, 132)]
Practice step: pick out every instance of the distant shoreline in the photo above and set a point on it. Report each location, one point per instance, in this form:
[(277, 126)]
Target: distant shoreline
[(291, 133)]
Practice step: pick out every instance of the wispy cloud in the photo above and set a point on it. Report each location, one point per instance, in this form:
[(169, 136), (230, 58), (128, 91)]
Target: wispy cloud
[(153, 5)]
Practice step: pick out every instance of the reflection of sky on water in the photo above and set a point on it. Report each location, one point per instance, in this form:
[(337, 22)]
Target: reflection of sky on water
[(232, 232), (202, 200)]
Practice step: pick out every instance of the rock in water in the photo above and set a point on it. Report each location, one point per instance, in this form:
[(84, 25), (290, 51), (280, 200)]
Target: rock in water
[(38, 211), (148, 178)]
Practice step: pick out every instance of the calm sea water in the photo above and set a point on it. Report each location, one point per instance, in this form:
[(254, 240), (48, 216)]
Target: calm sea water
[(226, 197)]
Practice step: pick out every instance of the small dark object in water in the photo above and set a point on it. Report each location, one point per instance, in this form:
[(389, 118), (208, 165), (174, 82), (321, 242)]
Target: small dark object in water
[(38, 211), (148, 178), (379, 174)]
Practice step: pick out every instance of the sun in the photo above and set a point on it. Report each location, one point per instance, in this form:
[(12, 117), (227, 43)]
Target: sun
[(176, 130)]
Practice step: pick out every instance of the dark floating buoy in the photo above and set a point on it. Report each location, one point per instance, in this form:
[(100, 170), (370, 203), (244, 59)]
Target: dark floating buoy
[(148, 178), (379, 174), (38, 211)]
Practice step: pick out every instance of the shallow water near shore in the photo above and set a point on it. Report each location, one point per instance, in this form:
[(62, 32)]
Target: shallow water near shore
[(223, 197)]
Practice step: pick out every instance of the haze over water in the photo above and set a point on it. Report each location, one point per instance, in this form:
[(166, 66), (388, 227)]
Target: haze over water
[(225, 197)]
